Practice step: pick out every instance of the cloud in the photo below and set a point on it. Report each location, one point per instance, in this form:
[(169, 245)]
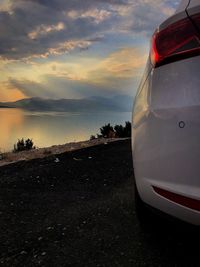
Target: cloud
[(30, 29), (100, 38), (29, 88), (7, 95), (44, 27), (119, 72), (124, 62), (143, 16), (98, 15)]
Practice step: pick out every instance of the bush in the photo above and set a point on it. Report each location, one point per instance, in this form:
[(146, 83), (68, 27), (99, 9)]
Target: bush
[(119, 130), (92, 137), (1, 155), (107, 131), (127, 129), (23, 145)]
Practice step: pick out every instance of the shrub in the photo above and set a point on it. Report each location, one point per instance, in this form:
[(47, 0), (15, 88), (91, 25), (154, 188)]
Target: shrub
[(92, 137), (107, 130), (1, 155), (127, 129), (23, 145), (119, 130)]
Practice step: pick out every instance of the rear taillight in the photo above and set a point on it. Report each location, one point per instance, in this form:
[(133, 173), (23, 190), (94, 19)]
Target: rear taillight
[(188, 202), (196, 21), (178, 41)]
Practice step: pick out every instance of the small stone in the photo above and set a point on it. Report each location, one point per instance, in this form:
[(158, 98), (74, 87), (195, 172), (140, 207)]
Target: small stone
[(23, 252), (107, 210), (43, 253)]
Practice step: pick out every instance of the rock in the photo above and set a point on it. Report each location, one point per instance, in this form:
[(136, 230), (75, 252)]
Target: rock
[(23, 252)]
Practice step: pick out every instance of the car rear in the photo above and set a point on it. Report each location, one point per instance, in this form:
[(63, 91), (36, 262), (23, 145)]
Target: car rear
[(166, 118)]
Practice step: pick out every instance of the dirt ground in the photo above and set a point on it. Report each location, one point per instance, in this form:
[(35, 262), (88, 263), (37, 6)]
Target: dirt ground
[(77, 209)]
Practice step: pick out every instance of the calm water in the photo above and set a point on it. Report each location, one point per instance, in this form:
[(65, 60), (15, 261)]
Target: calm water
[(52, 128)]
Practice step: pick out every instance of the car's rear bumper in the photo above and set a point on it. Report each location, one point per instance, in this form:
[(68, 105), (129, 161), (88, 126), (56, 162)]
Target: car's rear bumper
[(159, 200), (166, 138)]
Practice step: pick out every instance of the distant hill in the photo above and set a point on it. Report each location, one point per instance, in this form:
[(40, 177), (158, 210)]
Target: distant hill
[(4, 106), (117, 103)]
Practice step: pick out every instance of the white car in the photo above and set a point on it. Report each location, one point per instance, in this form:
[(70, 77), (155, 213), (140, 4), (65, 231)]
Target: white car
[(166, 119)]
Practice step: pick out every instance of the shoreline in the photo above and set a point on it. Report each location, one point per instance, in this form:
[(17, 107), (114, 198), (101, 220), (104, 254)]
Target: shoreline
[(8, 158)]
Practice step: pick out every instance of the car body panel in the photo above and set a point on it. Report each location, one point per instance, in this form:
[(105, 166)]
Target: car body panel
[(193, 3), (166, 155), (176, 17), (182, 6), (166, 134)]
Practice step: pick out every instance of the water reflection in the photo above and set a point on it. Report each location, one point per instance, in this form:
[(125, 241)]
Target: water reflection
[(51, 128), (11, 121)]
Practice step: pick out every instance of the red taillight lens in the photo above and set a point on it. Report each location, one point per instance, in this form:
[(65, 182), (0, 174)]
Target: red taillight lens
[(196, 20), (178, 41), (188, 202)]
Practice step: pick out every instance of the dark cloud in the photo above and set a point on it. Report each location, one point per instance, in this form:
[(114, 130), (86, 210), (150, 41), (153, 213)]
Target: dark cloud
[(28, 17), (72, 4), (31, 28), (144, 16)]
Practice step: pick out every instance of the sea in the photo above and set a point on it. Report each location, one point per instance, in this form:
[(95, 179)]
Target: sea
[(52, 128)]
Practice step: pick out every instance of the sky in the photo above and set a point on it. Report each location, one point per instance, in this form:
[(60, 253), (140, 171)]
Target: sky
[(75, 48)]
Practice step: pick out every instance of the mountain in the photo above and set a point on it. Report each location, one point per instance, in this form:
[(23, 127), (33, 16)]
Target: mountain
[(117, 103)]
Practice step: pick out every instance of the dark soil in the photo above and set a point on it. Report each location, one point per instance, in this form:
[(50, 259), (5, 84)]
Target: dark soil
[(80, 212)]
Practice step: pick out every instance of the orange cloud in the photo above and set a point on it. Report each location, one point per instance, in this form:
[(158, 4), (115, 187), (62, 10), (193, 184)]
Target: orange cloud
[(123, 64), (8, 94)]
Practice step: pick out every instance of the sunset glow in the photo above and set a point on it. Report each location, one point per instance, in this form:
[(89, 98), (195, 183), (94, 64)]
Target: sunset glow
[(61, 49)]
